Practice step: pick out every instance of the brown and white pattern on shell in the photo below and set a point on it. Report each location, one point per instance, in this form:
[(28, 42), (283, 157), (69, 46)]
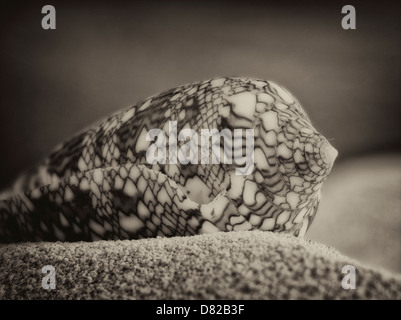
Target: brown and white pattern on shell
[(98, 185)]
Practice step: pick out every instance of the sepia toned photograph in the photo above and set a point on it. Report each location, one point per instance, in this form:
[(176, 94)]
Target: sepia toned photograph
[(220, 152)]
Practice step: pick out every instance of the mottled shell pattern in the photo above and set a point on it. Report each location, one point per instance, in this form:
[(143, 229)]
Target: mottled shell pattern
[(99, 184)]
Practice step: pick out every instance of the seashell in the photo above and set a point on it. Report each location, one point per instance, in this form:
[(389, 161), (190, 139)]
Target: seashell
[(224, 154)]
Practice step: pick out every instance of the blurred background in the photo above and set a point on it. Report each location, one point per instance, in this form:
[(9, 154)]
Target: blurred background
[(105, 56)]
